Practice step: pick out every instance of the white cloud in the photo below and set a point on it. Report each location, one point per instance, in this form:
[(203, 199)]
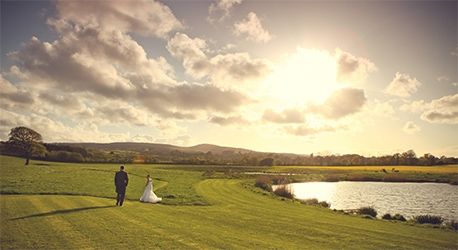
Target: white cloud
[(403, 85), (149, 18), (443, 79), (220, 9), (285, 116), (411, 128), (252, 29), (382, 108), (56, 131), (441, 110), (224, 70), (306, 130), (100, 65), (454, 52), (352, 69), (12, 95), (340, 103), (191, 52), (229, 120), (414, 106)]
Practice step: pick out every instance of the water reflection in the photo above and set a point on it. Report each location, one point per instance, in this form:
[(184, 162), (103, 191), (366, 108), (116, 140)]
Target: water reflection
[(408, 199)]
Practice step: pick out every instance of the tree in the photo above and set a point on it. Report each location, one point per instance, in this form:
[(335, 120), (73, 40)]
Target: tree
[(27, 141), (267, 162)]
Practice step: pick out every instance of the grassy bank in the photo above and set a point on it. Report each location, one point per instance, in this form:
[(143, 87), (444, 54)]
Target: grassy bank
[(236, 214), (440, 174)]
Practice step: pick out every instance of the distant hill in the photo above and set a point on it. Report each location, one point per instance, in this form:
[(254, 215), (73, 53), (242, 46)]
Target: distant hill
[(157, 147), (132, 152)]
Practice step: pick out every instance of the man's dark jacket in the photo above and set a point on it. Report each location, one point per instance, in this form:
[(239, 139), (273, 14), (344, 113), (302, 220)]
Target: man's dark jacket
[(121, 179)]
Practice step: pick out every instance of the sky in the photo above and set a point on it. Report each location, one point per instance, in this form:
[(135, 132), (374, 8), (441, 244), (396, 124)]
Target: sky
[(328, 77)]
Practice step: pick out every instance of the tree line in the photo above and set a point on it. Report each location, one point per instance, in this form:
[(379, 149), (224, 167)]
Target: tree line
[(27, 143)]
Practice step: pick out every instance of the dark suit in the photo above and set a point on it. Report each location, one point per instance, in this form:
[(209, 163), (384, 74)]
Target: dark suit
[(121, 179)]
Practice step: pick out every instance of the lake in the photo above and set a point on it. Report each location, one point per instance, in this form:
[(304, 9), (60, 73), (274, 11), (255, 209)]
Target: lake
[(409, 199)]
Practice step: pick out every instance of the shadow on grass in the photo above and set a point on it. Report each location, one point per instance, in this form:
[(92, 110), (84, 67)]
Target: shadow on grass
[(63, 211)]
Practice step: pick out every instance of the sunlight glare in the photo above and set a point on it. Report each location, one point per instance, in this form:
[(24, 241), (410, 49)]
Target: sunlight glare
[(307, 76)]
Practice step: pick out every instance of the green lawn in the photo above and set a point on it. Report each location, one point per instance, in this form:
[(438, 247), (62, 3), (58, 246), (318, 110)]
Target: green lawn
[(36, 214)]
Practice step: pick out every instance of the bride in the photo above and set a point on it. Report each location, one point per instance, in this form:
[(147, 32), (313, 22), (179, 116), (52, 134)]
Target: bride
[(148, 194)]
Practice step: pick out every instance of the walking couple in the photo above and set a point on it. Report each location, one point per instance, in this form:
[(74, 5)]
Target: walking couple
[(122, 179)]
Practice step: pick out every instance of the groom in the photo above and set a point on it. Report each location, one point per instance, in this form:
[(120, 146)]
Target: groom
[(121, 179)]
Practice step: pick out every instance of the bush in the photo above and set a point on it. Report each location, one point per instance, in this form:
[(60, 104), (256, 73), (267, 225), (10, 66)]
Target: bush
[(368, 211), (387, 217), (208, 173), (399, 217), (315, 202), (453, 224), (65, 156), (324, 204), (280, 180), (284, 191), (428, 219), (310, 202), (263, 182)]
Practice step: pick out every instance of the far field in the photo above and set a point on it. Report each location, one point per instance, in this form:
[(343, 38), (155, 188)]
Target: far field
[(70, 206)]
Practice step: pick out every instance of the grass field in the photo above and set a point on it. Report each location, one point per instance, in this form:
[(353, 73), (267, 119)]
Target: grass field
[(60, 205)]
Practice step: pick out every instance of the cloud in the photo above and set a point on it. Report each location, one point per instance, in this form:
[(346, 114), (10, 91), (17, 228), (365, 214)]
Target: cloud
[(403, 85), (56, 131), (443, 79), (12, 95), (220, 9), (229, 120), (191, 52), (439, 116), (148, 18), (411, 128), (454, 52), (252, 29), (340, 103), (230, 70), (60, 99), (382, 108), (306, 130), (86, 59), (442, 110), (171, 101), (414, 106), (351, 68), (224, 70), (94, 63), (285, 116)]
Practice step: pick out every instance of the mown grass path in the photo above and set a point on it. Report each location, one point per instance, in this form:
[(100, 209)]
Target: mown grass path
[(238, 217)]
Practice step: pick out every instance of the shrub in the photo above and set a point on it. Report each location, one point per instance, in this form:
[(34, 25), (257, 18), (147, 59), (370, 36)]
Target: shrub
[(315, 202), (280, 180), (453, 224), (310, 202), (263, 182), (208, 173), (399, 217), (324, 204), (428, 219), (368, 211), (332, 178), (387, 217), (284, 191)]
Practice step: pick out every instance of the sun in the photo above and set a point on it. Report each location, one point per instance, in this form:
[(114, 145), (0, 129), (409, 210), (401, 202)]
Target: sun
[(307, 76)]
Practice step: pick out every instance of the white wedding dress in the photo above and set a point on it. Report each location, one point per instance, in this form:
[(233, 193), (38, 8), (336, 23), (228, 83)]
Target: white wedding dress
[(148, 194)]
